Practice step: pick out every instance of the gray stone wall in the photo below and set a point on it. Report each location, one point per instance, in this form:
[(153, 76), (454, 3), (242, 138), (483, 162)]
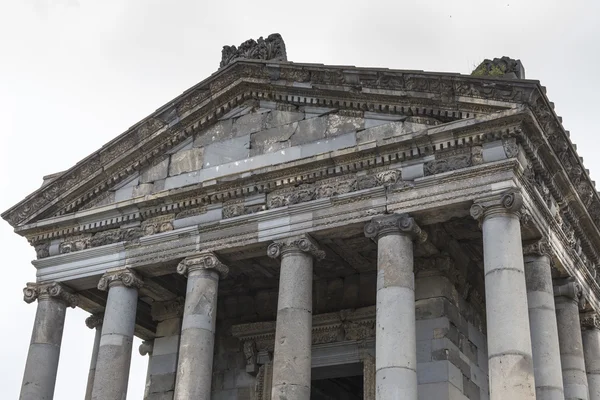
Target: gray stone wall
[(451, 345)]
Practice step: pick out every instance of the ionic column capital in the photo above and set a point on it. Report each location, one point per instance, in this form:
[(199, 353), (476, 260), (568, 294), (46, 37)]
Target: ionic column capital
[(538, 248), (94, 320), (206, 260), (570, 290), (54, 290), (303, 243), (589, 321), (402, 224), (510, 202), (125, 277), (146, 347)]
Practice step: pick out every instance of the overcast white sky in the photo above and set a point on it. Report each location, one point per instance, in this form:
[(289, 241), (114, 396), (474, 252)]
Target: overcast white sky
[(76, 73)]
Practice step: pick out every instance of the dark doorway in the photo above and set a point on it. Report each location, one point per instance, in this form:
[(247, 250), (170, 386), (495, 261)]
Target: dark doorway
[(339, 382)]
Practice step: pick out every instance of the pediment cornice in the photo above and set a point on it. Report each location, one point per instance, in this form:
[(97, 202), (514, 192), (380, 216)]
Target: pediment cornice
[(449, 96)]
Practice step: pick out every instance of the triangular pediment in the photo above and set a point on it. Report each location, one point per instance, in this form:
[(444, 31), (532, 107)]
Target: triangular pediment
[(251, 108)]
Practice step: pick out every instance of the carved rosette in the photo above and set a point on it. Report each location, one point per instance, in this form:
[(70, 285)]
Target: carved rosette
[(94, 321), (539, 248), (146, 347), (302, 243), (394, 224), (126, 277), (590, 321), (205, 260), (511, 201), (35, 291)]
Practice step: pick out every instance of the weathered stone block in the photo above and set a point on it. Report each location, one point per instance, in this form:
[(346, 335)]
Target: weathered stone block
[(162, 383), (226, 151), (169, 327), (339, 124), (156, 172), (249, 123), (142, 189), (221, 130), (273, 139), (186, 161), (309, 130), (280, 118)]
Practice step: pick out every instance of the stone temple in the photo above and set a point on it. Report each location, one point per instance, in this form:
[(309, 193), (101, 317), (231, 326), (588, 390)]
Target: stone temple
[(303, 231)]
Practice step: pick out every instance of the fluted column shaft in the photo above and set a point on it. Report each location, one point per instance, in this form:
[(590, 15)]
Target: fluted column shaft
[(114, 353), (194, 367), (395, 343), (511, 373), (591, 350), (293, 331), (542, 320), (570, 341), (93, 322), (39, 378)]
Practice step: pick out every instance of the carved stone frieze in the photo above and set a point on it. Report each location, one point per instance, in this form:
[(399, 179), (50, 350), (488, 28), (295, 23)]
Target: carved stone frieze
[(163, 310), (302, 243), (590, 321), (206, 260), (56, 291), (358, 324), (394, 224), (237, 208), (446, 164), (115, 236), (163, 223), (74, 243), (271, 48), (42, 250), (94, 321), (126, 277)]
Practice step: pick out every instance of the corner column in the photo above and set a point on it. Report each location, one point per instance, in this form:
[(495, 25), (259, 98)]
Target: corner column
[(511, 373), (590, 324), (570, 342), (395, 344), (41, 368), (194, 368), (542, 320), (293, 329), (93, 322), (114, 353)]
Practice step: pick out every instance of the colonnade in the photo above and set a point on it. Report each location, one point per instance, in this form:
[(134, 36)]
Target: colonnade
[(537, 345)]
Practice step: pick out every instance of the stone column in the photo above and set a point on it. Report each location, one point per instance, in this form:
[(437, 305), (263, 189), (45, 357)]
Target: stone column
[(114, 354), (570, 341), (293, 329), (162, 366), (511, 374), (39, 378), (590, 323), (542, 320), (395, 343), (93, 322), (194, 368)]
